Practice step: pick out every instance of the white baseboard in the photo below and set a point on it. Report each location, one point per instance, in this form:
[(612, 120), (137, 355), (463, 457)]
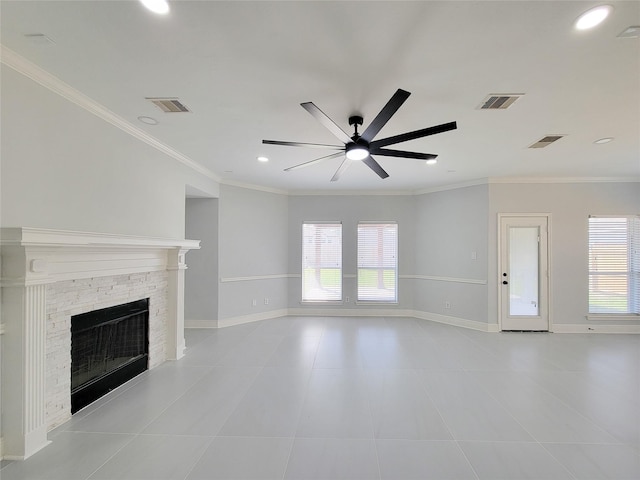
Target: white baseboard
[(591, 328), (200, 323), (254, 317), (350, 312), (456, 321)]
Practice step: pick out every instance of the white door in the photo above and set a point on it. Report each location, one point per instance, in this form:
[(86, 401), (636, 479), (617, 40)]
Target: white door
[(524, 273)]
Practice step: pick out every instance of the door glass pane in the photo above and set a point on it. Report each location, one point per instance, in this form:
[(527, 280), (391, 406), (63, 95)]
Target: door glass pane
[(523, 271)]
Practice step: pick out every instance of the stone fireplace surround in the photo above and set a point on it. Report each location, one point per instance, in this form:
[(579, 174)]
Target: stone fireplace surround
[(50, 275)]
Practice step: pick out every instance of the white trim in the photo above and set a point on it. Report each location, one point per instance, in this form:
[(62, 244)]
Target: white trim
[(593, 328), (254, 317), (250, 186), (321, 302), (457, 321), (200, 323), (351, 312), (516, 180), (420, 315), (42, 237), (258, 277), (348, 193), (1, 333), (453, 186), (444, 279), (55, 85), (600, 317)]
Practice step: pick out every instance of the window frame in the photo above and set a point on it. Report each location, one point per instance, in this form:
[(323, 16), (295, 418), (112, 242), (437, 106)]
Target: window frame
[(336, 297), (631, 273), (363, 299)]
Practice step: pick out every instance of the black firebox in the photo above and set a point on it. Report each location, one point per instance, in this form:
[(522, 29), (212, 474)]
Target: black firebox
[(108, 347)]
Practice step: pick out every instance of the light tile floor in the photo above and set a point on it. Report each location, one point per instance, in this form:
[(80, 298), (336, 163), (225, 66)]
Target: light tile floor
[(363, 398)]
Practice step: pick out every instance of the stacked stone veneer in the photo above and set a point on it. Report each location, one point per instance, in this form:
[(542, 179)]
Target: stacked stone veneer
[(68, 298)]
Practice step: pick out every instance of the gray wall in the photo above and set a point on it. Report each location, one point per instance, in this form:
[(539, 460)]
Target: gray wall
[(253, 243), (570, 206), (64, 168), (450, 225), (201, 277), (349, 210)]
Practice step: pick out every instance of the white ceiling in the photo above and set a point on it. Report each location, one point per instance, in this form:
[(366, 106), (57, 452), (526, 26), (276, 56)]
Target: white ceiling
[(243, 68)]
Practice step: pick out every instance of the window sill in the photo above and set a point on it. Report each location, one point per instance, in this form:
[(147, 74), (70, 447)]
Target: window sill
[(321, 302), (376, 303), (613, 316)]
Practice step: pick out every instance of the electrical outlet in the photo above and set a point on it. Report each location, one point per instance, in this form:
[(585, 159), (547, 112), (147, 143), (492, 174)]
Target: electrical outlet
[(266, 301), (474, 256), (346, 299), (447, 304), (254, 302)]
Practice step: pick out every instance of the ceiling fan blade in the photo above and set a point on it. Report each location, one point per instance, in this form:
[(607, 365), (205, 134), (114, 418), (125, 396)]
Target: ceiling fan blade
[(341, 169), (385, 114), (311, 162), (375, 166), (298, 144), (326, 121), (405, 137), (402, 154)]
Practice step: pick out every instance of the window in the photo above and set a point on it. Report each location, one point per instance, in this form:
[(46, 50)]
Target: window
[(378, 262), (614, 265), (321, 262)]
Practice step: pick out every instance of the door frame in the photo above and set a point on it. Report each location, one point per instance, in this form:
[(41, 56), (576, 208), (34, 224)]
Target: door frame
[(501, 217)]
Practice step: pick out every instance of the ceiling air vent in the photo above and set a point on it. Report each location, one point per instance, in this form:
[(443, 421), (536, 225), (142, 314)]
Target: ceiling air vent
[(546, 141), (169, 105), (499, 101)]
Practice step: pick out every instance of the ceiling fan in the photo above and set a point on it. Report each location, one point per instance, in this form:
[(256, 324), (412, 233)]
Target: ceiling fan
[(362, 146)]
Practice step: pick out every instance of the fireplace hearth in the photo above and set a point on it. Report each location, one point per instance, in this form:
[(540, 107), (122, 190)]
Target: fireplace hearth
[(109, 347)]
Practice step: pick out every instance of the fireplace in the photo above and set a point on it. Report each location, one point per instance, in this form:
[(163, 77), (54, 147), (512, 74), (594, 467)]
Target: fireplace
[(109, 346), (49, 276)]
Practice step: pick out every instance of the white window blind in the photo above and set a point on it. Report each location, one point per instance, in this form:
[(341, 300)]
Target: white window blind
[(378, 262), (321, 262), (614, 265)]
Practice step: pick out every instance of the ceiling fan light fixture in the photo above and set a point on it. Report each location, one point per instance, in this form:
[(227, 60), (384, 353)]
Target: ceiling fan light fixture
[(357, 152), (431, 161), (161, 7), (593, 17)]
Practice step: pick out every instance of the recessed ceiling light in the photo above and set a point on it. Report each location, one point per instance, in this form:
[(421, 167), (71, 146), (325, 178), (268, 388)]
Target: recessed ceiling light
[(630, 32), (593, 17), (148, 120), (263, 159), (604, 140), (39, 39), (431, 161), (160, 7)]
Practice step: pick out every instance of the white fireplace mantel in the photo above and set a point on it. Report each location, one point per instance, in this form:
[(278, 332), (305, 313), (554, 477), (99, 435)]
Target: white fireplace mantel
[(33, 258)]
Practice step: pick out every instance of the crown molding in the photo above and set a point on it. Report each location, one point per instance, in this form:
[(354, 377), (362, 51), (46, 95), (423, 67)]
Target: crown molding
[(355, 193), (250, 186), (453, 186), (30, 70), (516, 180)]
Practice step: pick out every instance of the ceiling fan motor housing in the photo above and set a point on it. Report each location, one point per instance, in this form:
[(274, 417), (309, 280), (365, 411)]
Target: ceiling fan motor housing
[(355, 120)]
